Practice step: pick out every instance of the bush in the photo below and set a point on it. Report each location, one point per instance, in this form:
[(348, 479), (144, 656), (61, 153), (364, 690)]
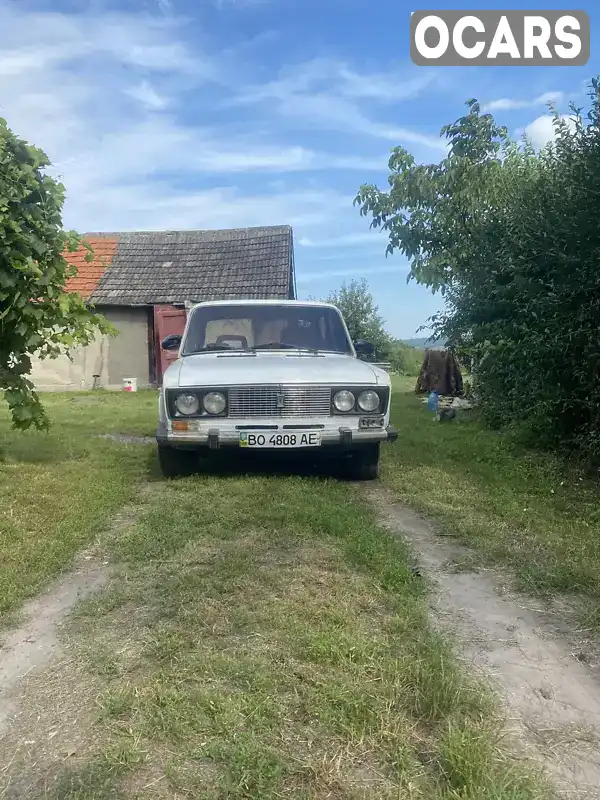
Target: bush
[(511, 237), (37, 317), (405, 360)]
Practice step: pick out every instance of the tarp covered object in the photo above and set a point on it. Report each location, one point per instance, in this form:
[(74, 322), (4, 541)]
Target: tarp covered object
[(439, 373)]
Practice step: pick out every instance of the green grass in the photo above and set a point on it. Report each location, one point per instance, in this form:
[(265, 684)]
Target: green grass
[(262, 637), (270, 641), (522, 510), (60, 490)]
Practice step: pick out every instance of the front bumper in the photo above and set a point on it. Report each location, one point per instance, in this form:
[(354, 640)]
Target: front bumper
[(215, 438)]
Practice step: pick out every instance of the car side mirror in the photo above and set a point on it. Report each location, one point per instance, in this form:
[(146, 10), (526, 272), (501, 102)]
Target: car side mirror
[(363, 348), (171, 342)]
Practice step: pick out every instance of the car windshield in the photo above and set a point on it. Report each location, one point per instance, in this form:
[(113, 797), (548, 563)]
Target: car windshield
[(265, 327)]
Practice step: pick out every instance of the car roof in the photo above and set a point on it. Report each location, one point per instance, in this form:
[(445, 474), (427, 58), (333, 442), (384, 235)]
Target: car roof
[(301, 303)]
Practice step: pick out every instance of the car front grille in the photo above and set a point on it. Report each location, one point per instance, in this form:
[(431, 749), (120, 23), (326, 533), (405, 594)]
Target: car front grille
[(279, 401)]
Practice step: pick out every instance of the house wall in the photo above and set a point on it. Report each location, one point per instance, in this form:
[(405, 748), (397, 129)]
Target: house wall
[(63, 374), (111, 359)]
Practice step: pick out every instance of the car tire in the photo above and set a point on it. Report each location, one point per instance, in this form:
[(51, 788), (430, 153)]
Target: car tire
[(176, 463), (364, 464)]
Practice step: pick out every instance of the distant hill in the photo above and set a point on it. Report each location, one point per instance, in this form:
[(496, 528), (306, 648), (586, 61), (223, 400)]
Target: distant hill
[(423, 342)]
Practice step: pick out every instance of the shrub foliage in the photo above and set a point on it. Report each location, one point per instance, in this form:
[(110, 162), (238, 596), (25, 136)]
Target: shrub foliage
[(37, 317), (362, 317), (511, 238)]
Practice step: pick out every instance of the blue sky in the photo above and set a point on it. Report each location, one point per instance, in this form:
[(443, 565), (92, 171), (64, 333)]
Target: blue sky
[(226, 113)]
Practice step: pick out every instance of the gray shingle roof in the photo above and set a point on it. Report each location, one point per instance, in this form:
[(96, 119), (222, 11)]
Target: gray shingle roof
[(174, 266)]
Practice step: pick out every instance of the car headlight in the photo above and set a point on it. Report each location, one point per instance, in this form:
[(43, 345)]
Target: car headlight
[(368, 400), (187, 403), (344, 401), (214, 403)]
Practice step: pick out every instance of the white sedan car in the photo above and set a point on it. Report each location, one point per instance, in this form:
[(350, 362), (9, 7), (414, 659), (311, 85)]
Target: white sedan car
[(272, 376)]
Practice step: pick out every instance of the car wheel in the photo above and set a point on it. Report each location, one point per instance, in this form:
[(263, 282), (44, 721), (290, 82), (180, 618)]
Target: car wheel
[(176, 463), (364, 464)]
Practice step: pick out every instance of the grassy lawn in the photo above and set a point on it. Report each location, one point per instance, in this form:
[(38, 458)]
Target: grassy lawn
[(262, 636), (516, 508), (59, 490)]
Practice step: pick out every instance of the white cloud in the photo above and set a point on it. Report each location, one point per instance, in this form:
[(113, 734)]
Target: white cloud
[(310, 111), (238, 3), (338, 79), (109, 135), (360, 163), (326, 94), (508, 104), (158, 206), (371, 238), (351, 272), (124, 109), (146, 95), (541, 131), (387, 88), (160, 143), (66, 97), (131, 40)]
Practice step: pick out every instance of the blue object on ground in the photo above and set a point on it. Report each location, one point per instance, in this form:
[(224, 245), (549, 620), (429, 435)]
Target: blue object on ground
[(432, 401)]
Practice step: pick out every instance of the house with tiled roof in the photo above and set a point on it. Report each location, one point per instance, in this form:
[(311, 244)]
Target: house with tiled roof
[(89, 272), (142, 282)]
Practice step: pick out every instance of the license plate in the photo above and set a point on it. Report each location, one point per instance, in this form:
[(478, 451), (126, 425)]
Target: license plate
[(280, 441)]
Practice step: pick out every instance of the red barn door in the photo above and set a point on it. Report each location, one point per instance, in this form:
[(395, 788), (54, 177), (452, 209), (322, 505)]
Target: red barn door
[(167, 320)]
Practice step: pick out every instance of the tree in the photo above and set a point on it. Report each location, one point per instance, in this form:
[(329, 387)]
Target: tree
[(362, 316), (37, 316), (510, 237), (404, 359)]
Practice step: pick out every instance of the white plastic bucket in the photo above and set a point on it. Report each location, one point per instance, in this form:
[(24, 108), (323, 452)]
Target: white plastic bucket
[(130, 384)]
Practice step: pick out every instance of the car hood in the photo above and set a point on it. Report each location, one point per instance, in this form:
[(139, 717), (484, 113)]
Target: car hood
[(210, 369)]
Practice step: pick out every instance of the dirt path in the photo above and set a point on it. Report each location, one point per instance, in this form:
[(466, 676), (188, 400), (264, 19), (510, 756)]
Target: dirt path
[(42, 717), (34, 645), (552, 699), (46, 697)]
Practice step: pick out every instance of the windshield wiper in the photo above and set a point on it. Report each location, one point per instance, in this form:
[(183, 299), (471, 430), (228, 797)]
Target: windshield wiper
[(273, 346), (281, 346)]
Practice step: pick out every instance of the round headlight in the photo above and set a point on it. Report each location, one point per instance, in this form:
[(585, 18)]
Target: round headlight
[(343, 401), (368, 400), (187, 403), (214, 403)]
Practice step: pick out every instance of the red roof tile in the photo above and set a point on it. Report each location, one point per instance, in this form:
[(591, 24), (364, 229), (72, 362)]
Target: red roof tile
[(90, 272)]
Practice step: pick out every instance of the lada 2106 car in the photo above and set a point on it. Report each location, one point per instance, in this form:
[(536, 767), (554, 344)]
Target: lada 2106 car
[(278, 375)]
